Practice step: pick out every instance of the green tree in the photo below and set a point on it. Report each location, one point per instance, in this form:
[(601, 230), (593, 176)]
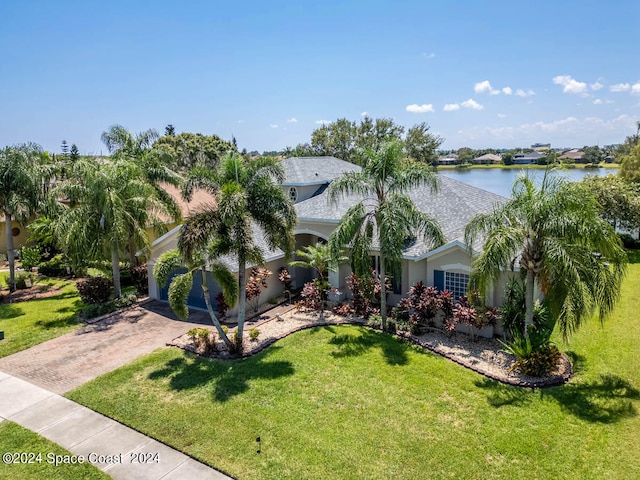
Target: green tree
[(385, 210), (74, 155), (22, 175), (507, 159), (371, 134), (336, 139), (107, 206), (421, 146), (188, 150), (465, 155), (64, 148), (318, 257), (555, 235), (155, 166), (169, 130), (630, 165), (593, 155), (246, 195), (618, 200)]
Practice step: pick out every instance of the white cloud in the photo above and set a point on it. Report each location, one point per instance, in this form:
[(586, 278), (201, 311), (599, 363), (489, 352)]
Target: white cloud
[(569, 84), (485, 87), (292, 120), (620, 87), (364, 114), (524, 93), (597, 101), (450, 107), (596, 86), (322, 122), (429, 55), (415, 108), (472, 104), (273, 125), (635, 89), (502, 115), (507, 90)]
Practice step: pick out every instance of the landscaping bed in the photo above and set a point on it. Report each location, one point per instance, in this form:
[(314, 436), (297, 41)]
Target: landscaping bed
[(482, 355)]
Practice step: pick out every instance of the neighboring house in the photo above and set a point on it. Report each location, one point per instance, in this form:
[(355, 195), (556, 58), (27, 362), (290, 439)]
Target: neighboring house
[(527, 158), (446, 267), (575, 155), (487, 159), (449, 159)]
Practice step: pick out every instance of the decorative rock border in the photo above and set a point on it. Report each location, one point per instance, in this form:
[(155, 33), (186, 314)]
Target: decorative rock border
[(563, 375)]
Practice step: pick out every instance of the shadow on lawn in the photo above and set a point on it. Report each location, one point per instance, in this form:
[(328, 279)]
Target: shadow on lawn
[(229, 378), (8, 311), (395, 352), (607, 399), (62, 321)]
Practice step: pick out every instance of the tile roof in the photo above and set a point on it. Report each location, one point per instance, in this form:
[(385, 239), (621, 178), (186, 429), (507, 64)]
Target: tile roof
[(315, 170), (453, 206)]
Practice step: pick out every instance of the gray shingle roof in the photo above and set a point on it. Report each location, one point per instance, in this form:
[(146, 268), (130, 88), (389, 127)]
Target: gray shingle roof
[(314, 170), (453, 206)]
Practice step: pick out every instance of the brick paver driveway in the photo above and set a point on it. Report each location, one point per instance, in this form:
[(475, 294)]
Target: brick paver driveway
[(66, 362)]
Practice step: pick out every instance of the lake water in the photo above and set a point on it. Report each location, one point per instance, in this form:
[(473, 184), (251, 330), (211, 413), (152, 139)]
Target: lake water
[(500, 181)]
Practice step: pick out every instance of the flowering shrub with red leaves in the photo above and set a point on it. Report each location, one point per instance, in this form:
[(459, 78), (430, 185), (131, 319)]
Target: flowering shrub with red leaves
[(255, 283), (310, 296)]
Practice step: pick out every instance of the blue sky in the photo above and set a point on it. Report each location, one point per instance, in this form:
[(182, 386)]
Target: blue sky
[(481, 73)]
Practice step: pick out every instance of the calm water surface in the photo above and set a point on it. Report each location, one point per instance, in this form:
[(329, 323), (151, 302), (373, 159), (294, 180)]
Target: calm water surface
[(500, 181)]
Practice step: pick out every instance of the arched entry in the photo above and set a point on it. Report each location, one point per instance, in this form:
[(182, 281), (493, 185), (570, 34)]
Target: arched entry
[(304, 237)]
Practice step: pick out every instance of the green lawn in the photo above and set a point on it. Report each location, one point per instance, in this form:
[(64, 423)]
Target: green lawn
[(347, 402), (15, 439), (28, 323)]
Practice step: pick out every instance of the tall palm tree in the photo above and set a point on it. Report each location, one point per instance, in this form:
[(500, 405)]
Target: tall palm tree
[(246, 193), (155, 166), (385, 209), (553, 232), (107, 205), (21, 176)]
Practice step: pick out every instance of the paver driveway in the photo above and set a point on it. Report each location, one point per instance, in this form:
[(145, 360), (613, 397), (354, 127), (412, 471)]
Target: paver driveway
[(66, 362)]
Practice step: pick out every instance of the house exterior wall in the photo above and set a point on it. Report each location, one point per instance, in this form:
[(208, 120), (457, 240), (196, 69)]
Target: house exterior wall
[(18, 241)]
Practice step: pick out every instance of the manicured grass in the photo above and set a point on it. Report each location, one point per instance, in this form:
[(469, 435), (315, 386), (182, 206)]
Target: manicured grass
[(15, 439), (347, 402), (34, 321)]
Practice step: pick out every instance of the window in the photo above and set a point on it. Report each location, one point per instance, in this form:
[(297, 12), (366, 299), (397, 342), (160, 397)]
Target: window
[(293, 194), (456, 283)]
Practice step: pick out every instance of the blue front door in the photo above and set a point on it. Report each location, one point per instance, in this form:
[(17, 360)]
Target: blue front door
[(196, 295)]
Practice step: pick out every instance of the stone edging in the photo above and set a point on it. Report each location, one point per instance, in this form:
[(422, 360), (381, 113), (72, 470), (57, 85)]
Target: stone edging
[(531, 382)]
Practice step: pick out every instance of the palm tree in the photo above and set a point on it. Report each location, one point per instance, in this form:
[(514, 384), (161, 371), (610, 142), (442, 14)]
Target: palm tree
[(386, 209), (181, 284), (154, 164), (21, 179), (319, 258), (555, 235), (246, 195), (109, 206)]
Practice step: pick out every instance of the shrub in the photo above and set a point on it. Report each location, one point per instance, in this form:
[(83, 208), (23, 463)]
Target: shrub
[(126, 277), (254, 333), (235, 344), (343, 309), (21, 279), (55, 267), (204, 340), (366, 292), (310, 296), (222, 306), (125, 301), (533, 360), (285, 277), (256, 282), (94, 290), (30, 257), (140, 279), (375, 321)]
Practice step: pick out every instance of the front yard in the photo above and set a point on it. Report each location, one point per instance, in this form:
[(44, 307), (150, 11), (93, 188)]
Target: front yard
[(30, 322), (348, 402)]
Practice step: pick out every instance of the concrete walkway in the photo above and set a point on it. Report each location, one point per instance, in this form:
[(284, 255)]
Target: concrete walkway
[(119, 451), (68, 361)]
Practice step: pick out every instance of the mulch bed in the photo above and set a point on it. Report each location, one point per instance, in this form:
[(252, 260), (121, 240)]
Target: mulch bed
[(36, 292)]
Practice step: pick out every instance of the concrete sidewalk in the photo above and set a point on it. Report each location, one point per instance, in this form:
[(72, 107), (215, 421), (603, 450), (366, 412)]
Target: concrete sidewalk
[(112, 447)]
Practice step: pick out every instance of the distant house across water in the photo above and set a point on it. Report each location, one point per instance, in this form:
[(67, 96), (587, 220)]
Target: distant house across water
[(527, 158)]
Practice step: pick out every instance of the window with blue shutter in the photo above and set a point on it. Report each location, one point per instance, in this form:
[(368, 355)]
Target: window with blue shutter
[(438, 279)]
